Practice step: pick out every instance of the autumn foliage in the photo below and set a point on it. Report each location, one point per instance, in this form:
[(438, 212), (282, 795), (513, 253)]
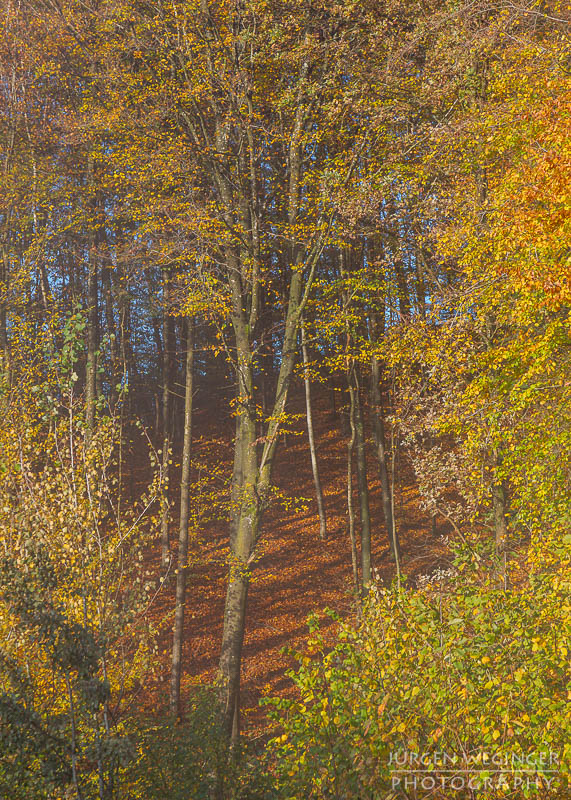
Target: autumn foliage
[(228, 225)]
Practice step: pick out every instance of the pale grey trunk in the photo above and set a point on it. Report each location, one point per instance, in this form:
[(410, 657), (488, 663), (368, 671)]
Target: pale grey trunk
[(379, 435), (311, 437), (183, 533), (92, 318), (166, 417), (4, 343), (350, 506), (92, 341)]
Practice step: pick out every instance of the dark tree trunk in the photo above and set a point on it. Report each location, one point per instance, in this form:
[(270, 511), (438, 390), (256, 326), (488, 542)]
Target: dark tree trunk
[(379, 435)]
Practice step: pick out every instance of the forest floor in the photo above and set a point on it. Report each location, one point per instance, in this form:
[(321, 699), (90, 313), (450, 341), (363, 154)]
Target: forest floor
[(296, 572)]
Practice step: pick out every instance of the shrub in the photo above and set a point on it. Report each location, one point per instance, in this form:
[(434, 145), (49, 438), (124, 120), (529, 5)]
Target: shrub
[(189, 760), (472, 670)]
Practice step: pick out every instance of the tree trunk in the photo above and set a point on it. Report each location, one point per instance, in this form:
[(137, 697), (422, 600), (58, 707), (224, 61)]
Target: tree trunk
[(245, 514), (350, 507), (4, 343), (362, 485), (107, 292), (252, 472), (356, 424), (251, 480), (166, 416), (128, 362), (379, 434), (309, 417), (183, 525), (92, 317), (243, 537), (92, 342), (402, 286), (500, 525)]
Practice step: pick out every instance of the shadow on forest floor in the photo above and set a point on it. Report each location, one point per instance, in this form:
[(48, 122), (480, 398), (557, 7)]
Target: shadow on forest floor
[(296, 573)]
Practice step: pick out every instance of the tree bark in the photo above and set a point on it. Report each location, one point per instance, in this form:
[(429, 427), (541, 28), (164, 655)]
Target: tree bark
[(92, 310), (183, 534), (350, 507), (166, 418), (252, 476), (4, 342), (92, 342), (311, 437), (379, 435), (362, 484), (500, 525), (251, 480)]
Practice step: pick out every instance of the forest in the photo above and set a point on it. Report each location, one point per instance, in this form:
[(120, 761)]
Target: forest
[(285, 399)]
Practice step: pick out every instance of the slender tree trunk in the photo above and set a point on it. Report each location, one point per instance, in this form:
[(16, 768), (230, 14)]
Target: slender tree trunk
[(4, 343), (183, 524), (350, 506), (124, 330), (92, 315), (251, 484), (394, 450), (92, 341), (362, 485), (44, 287), (166, 418), (309, 417), (420, 283), (379, 434), (433, 517), (404, 302), (252, 474), (398, 267), (155, 317), (107, 291), (500, 525), (356, 421)]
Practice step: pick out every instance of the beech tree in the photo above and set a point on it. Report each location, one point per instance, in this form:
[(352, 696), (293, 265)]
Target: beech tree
[(261, 101)]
